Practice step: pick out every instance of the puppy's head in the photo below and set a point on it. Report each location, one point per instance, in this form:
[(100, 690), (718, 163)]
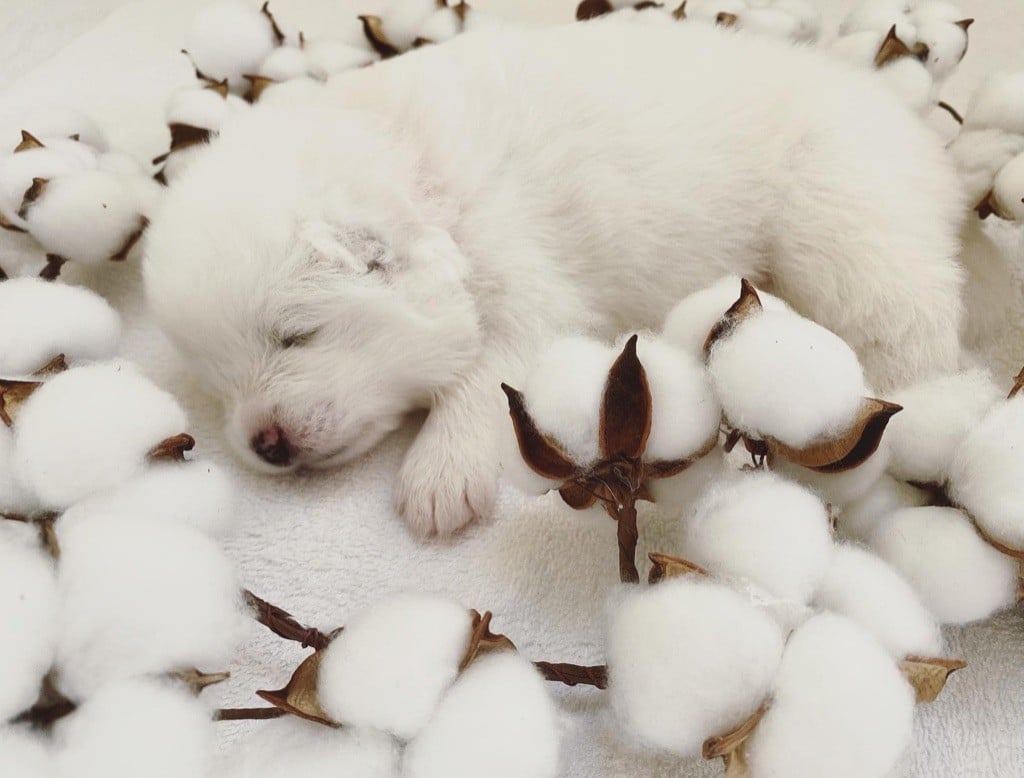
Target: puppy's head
[(306, 274)]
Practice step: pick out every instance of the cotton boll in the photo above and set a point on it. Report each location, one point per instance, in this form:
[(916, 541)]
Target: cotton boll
[(858, 48), (947, 45), (198, 494), (142, 598), (678, 493), (120, 163), (181, 160), (842, 488), (858, 519), (88, 217), (564, 392), (403, 19), (329, 57), (442, 25), (39, 320), (297, 748), (28, 611), (987, 473), (393, 663), (514, 468), (23, 754), (1008, 189), (959, 577), (17, 172), (709, 10), (911, 82), (89, 429), (688, 659), (862, 587), (285, 63), (979, 155), (840, 707), (133, 728), (770, 21), (61, 122), (937, 414), (497, 713), (998, 104), (14, 497), (937, 11), (198, 108), (229, 39), (763, 529), (818, 393), (807, 15), (874, 16), (689, 322)]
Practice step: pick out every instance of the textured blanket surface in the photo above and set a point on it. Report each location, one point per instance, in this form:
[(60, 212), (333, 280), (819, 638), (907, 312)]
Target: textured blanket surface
[(324, 546)]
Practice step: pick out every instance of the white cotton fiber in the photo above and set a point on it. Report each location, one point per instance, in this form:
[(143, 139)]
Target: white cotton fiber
[(770, 21), (959, 577), (442, 25), (866, 589), (17, 172), (498, 714), (564, 392), (134, 728), (393, 663), (61, 122), (858, 48), (403, 19), (140, 598), (1008, 189), (88, 217), (14, 497), (987, 473), (911, 82), (764, 530), (678, 493), (708, 10), (122, 164), (514, 468), (874, 16), (840, 708), (979, 156), (841, 488), (285, 63), (689, 322), (807, 15), (997, 104), (684, 411), (689, 659), (228, 40), (782, 376), (327, 57), (197, 493), (295, 748), (196, 107), (89, 429), (28, 612), (24, 754), (858, 519), (937, 414), (947, 45)]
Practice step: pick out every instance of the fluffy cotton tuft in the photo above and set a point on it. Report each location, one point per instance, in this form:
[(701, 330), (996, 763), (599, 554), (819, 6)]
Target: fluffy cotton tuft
[(228, 40), (689, 659), (61, 122), (28, 611), (23, 754), (142, 598), (858, 519), (297, 748), (393, 663), (946, 42), (764, 530), (442, 25), (987, 473), (959, 577), (89, 429), (979, 155), (998, 103), (912, 83), (937, 414), (782, 376), (14, 497), (679, 492), (285, 63), (327, 57), (17, 172), (842, 488), (864, 588), (403, 19), (689, 322), (1008, 189), (874, 16), (133, 728), (840, 707), (497, 713), (200, 107), (197, 493)]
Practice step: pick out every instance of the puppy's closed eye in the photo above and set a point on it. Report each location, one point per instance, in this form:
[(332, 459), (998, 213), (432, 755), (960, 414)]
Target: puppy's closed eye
[(296, 339)]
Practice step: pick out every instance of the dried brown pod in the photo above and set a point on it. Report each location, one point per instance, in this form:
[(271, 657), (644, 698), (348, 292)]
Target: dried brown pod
[(894, 48), (848, 449), (965, 24), (373, 29), (729, 746), (591, 9), (172, 449), (626, 407), (540, 453), (726, 19), (1018, 384), (680, 12), (56, 365), (747, 305), (197, 680), (33, 193), (665, 568), (51, 270), (12, 395), (220, 87), (928, 675), (278, 35), (299, 696), (482, 640), (129, 243), (7, 225), (257, 85), (185, 135), (28, 141)]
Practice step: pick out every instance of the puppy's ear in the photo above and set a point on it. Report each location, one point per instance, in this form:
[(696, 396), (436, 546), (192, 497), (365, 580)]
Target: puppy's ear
[(349, 251)]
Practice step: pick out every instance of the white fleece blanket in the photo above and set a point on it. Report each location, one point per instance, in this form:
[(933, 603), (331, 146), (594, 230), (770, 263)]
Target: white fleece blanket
[(324, 546)]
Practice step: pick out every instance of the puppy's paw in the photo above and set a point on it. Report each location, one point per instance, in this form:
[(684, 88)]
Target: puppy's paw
[(444, 485)]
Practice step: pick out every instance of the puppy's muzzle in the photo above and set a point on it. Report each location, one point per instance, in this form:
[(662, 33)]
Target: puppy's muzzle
[(272, 446)]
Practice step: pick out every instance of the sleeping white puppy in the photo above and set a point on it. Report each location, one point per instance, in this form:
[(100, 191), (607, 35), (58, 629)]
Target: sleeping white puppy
[(407, 235)]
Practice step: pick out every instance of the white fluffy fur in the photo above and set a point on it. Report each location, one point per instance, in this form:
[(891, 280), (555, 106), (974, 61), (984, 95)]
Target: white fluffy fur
[(39, 320), (763, 529), (864, 588), (393, 663), (142, 598), (328, 57), (840, 707), (958, 576), (23, 754), (987, 474), (498, 714), (294, 748), (229, 39), (89, 429), (858, 519), (133, 728), (689, 322), (28, 612), (783, 376), (911, 81), (689, 659), (937, 415), (426, 272)]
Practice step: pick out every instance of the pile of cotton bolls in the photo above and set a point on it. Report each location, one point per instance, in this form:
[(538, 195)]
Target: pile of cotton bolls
[(417, 680), (71, 197), (115, 592)]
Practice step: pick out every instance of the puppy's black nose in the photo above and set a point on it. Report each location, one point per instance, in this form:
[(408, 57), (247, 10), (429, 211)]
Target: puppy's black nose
[(271, 445)]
